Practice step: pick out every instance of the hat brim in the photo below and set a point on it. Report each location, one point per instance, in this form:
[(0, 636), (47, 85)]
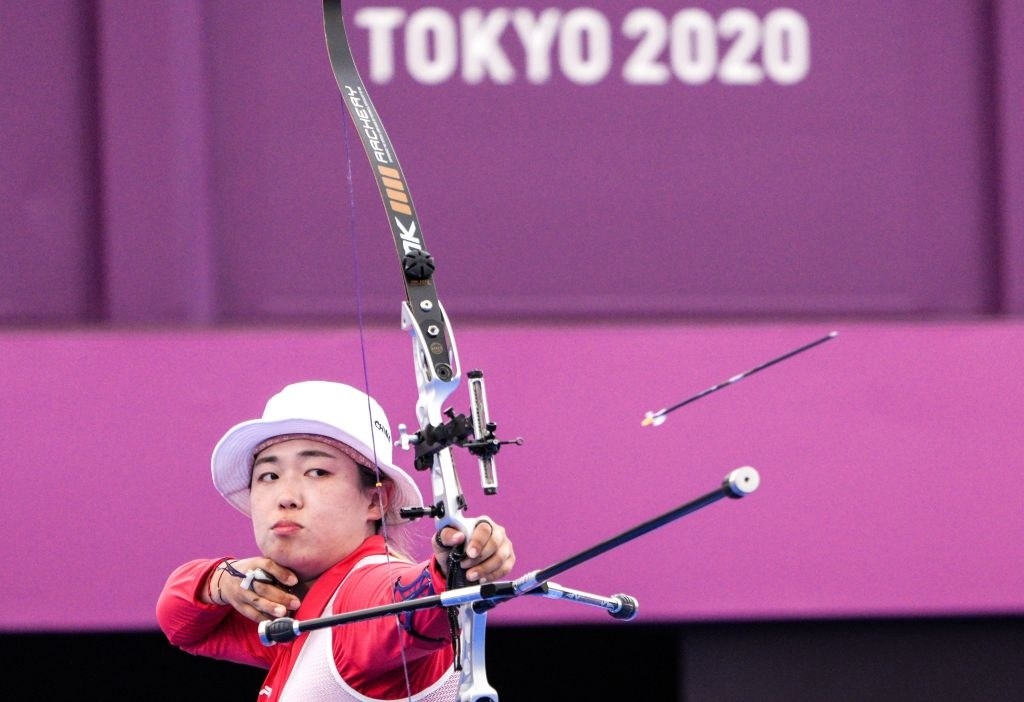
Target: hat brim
[(231, 462)]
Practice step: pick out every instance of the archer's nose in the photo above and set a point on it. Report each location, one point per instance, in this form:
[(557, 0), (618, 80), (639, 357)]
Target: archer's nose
[(289, 497)]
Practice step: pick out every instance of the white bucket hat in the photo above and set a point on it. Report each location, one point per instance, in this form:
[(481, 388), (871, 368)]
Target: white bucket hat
[(320, 408)]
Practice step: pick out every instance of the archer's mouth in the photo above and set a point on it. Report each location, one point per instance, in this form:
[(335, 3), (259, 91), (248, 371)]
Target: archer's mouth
[(286, 528)]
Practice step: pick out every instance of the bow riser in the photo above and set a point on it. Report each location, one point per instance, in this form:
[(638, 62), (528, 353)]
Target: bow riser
[(450, 501)]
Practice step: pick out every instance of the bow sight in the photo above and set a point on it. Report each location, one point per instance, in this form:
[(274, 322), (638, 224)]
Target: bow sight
[(476, 435)]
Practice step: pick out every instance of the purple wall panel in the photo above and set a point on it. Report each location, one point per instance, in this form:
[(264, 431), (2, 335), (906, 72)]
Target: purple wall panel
[(157, 232), (887, 455), (1011, 122), (47, 175)]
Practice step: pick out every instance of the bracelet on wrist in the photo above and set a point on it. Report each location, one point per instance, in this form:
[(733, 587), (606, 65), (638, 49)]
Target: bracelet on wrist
[(224, 565)]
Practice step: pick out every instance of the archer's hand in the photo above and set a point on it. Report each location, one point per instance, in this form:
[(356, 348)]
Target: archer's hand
[(489, 553), (266, 596)]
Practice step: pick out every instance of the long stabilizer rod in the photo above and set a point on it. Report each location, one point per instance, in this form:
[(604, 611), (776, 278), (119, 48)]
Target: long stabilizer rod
[(739, 483)]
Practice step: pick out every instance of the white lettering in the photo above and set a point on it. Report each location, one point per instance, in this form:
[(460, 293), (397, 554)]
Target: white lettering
[(787, 46), (380, 22), (695, 47), (538, 36), (368, 124), (482, 55), (643, 67), (693, 50), (738, 65), (410, 240), (585, 46), (430, 41)]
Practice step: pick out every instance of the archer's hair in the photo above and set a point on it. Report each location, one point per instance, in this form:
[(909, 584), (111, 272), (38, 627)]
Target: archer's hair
[(396, 532)]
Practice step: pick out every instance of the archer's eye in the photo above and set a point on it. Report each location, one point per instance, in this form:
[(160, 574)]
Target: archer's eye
[(265, 477), (318, 472)]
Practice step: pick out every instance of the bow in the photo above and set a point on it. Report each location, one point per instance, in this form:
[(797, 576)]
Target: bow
[(438, 374), (435, 358)]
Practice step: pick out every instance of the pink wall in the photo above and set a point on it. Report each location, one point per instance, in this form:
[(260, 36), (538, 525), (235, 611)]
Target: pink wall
[(889, 460)]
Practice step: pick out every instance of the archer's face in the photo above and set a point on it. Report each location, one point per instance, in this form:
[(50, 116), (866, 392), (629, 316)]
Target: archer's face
[(309, 510)]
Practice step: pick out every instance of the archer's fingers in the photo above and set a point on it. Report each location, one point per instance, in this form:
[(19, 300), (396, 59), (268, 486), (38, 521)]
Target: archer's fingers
[(258, 608), (485, 539), (258, 595), (489, 552), (492, 566)]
